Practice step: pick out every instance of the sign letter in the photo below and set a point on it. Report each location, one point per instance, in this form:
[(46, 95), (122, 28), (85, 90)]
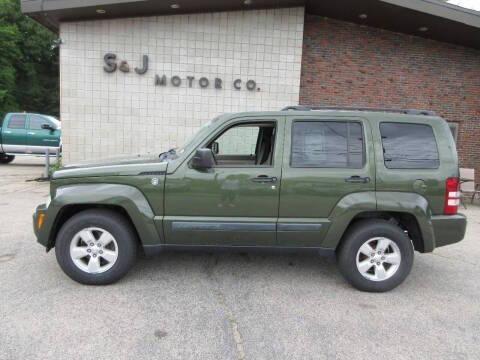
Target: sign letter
[(144, 68), (203, 82), (176, 81), (251, 85), (110, 63), (124, 67), (162, 81), (236, 84)]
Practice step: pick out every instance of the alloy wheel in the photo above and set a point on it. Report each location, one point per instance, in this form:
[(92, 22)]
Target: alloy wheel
[(93, 250), (378, 259)]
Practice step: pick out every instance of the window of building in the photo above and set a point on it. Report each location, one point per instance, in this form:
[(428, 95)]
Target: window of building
[(36, 122), (17, 122), (327, 144), (409, 146), (454, 129)]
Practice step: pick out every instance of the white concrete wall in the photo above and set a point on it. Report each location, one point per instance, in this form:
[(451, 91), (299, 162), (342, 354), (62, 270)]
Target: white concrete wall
[(109, 114)]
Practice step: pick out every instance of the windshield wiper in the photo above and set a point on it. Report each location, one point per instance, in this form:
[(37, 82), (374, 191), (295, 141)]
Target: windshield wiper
[(166, 154)]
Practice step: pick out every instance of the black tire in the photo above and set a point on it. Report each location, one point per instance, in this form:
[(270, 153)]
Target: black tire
[(110, 221), (5, 159), (356, 236)]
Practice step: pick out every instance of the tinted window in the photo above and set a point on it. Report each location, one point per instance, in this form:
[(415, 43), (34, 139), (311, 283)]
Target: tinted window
[(36, 122), (17, 122), (332, 144), (409, 146)]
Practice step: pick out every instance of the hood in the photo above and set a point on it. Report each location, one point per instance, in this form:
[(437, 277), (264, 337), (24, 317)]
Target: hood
[(126, 166)]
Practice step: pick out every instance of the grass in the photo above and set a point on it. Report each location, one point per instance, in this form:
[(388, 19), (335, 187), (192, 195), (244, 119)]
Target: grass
[(54, 167)]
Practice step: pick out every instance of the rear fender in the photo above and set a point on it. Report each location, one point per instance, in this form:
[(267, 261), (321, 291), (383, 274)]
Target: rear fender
[(354, 204), (414, 204), (344, 212)]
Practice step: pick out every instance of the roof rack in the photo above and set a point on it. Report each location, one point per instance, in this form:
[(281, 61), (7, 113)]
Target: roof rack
[(354, 108)]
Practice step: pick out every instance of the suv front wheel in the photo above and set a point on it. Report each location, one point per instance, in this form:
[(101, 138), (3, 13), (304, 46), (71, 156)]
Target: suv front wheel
[(375, 255), (96, 247)]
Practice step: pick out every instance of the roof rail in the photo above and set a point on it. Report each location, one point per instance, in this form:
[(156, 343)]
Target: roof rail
[(355, 108)]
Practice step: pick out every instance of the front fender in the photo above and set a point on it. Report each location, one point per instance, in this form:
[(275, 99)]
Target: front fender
[(127, 197)]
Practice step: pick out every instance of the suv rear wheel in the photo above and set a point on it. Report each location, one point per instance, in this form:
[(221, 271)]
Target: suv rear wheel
[(96, 247), (375, 256)]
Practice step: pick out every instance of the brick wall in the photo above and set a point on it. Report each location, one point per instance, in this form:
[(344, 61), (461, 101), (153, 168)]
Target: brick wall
[(349, 64), (107, 114)]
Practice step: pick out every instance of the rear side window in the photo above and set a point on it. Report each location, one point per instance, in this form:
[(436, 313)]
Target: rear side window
[(409, 146), (17, 122), (327, 144)]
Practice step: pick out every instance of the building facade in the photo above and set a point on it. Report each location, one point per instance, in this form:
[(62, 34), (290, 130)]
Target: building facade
[(345, 63), (142, 79), (199, 66)]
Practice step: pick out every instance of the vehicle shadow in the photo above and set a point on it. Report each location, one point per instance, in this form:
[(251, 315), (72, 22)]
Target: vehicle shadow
[(24, 164), (235, 264), (28, 161)]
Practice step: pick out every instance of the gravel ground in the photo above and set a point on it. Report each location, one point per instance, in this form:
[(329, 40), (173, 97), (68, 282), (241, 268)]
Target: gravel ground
[(227, 306)]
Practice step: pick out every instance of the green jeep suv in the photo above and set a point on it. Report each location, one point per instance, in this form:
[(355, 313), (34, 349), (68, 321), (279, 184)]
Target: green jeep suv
[(369, 185)]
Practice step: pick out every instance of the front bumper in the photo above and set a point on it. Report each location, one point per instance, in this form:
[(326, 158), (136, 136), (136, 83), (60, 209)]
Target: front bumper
[(449, 229), (42, 231)]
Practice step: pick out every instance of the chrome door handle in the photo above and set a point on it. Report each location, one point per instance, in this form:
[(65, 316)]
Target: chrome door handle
[(265, 179), (30, 133), (7, 132)]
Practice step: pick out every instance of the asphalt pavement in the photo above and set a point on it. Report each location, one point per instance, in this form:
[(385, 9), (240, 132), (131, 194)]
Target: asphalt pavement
[(228, 305)]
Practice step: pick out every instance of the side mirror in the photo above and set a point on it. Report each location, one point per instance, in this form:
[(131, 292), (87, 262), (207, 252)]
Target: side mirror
[(48, 127), (203, 159), (215, 147)]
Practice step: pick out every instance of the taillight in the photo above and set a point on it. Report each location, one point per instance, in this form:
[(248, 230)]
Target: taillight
[(452, 196)]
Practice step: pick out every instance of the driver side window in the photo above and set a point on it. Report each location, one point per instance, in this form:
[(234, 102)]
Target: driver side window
[(239, 140), (247, 144)]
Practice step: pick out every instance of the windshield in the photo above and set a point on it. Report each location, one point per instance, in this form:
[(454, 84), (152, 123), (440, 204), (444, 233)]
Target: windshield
[(188, 145), (194, 136)]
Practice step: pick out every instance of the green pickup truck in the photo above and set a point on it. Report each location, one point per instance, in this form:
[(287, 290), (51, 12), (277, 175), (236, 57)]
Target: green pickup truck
[(368, 185), (25, 133)]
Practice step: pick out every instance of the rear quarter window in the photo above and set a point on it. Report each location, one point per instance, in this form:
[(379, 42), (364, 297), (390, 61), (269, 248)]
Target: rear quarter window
[(17, 122), (409, 146)]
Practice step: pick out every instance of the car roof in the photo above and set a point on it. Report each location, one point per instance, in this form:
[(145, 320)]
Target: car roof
[(27, 113), (310, 115)]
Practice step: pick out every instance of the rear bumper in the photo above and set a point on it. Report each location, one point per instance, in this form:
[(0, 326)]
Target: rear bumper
[(449, 229)]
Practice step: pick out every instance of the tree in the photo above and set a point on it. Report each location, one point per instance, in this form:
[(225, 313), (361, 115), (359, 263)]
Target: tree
[(8, 54), (28, 63)]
